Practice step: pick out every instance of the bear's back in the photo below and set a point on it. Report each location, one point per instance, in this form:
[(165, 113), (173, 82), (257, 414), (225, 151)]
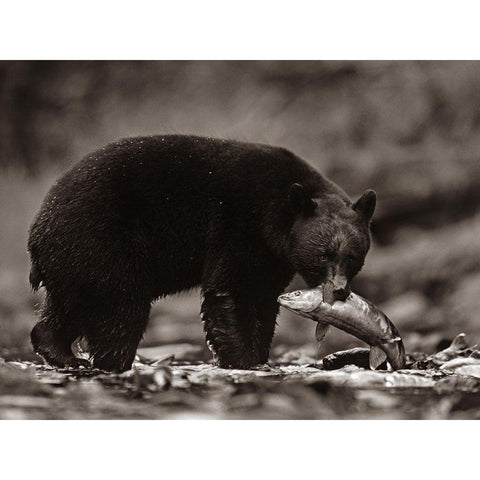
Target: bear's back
[(157, 169)]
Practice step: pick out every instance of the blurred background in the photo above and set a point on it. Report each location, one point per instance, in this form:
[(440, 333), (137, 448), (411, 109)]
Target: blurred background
[(409, 130)]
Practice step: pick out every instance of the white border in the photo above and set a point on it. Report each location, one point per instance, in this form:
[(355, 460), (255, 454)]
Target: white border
[(251, 29), (239, 450)]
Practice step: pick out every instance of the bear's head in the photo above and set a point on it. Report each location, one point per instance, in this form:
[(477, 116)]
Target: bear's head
[(330, 237)]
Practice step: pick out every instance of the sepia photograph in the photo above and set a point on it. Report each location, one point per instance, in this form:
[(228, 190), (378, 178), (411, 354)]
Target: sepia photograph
[(239, 240)]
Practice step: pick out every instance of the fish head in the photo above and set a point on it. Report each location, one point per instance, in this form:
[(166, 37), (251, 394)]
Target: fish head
[(303, 302), (329, 238)]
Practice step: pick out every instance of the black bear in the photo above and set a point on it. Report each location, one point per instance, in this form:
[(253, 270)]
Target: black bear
[(151, 216)]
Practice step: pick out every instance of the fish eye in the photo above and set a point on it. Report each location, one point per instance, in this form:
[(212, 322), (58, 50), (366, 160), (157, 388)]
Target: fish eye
[(296, 294)]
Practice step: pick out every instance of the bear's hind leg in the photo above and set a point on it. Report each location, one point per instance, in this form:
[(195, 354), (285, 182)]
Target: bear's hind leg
[(52, 337), (113, 334)]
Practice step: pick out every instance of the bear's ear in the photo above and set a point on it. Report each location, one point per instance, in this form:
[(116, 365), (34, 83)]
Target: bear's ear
[(300, 201), (365, 205)]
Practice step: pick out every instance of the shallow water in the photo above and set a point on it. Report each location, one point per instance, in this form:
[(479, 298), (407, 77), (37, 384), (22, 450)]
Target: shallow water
[(171, 390)]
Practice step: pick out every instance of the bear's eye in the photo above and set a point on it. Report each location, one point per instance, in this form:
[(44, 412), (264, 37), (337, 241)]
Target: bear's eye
[(327, 257)]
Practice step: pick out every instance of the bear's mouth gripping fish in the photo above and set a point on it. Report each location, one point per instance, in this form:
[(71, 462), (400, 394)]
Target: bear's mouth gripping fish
[(356, 316)]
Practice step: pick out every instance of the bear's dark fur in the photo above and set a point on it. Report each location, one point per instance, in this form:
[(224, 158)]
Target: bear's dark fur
[(147, 217)]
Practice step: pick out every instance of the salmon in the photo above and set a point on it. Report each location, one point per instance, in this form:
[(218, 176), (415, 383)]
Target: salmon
[(356, 316)]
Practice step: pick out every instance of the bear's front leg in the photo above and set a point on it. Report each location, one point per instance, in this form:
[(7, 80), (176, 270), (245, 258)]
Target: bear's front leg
[(267, 310), (228, 322)]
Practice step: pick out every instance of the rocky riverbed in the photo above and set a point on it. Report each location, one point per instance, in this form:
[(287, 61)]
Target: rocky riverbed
[(445, 385)]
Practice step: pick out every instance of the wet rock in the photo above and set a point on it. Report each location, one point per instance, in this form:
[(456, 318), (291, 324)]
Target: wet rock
[(354, 356), (472, 370), (457, 363)]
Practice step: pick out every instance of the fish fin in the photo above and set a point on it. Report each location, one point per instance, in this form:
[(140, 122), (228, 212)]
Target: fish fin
[(376, 358), (321, 331)]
